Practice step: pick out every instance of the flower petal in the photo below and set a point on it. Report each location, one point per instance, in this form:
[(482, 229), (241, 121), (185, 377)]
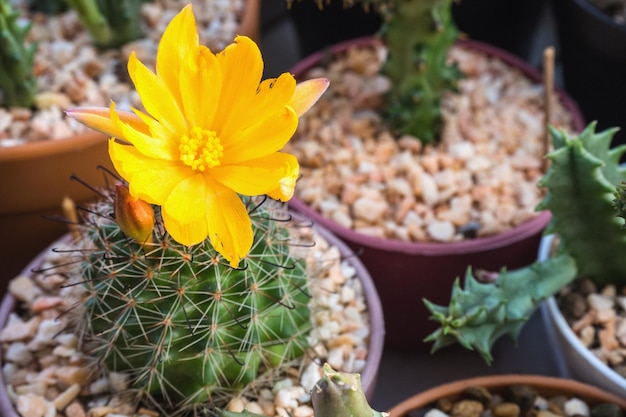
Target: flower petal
[(226, 222), (179, 38), (157, 143), (99, 118), (269, 135), (187, 201), (200, 86), (307, 93), (156, 96), (242, 68), (274, 175), (150, 179)]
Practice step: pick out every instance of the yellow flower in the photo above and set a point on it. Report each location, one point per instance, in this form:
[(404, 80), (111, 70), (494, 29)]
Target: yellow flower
[(212, 131)]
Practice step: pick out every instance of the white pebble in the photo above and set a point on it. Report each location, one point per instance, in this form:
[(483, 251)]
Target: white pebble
[(23, 289), (442, 231), (31, 405), (310, 376), (17, 353), (576, 407), (435, 413)]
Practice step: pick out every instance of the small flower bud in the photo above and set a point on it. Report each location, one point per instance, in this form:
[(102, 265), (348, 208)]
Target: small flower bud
[(135, 217)]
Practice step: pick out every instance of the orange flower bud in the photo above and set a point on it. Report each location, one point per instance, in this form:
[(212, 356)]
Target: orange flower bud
[(135, 217)]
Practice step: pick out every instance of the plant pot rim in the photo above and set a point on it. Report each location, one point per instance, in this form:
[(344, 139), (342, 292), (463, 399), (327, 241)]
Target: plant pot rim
[(542, 382), (430, 248), (51, 147), (599, 15), (375, 315), (515, 234)]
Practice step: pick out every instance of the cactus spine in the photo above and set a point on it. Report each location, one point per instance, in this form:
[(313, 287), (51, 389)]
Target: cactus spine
[(110, 23), (188, 329), (17, 82), (581, 187), (418, 35)]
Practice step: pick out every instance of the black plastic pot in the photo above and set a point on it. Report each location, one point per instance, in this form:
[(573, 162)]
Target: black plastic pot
[(592, 52), (509, 25)]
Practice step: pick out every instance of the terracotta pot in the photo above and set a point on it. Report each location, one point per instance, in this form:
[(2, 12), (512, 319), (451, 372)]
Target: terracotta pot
[(35, 179), (407, 272), (577, 360), (377, 329), (547, 386)]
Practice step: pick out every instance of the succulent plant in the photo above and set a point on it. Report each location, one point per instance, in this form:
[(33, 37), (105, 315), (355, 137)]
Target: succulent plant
[(186, 327), (110, 23), (336, 394), (17, 82), (418, 35), (584, 184)]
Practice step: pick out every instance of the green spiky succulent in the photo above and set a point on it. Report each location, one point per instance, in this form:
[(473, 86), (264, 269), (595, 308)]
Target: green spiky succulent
[(418, 35), (336, 394), (110, 23), (582, 183), (17, 82), (187, 328)]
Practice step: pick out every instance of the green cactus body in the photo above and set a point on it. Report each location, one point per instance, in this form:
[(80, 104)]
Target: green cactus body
[(581, 186), (17, 82), (418, 35), (481, 313), (340, 394), (110, 23), (189, 329)]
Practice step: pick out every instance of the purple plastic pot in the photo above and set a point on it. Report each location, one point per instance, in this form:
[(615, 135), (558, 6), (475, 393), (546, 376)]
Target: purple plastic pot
[(407, 272), (377, 324)]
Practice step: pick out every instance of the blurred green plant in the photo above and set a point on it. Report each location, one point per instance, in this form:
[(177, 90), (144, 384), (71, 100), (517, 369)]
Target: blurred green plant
[(17, 82), (110, 23), (418, 35)]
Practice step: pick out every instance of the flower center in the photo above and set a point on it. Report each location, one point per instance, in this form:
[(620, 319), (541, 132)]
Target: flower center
[(200, 149)]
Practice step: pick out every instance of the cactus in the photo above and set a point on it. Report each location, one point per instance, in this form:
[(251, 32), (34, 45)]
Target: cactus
[(418, 35), (187, 328), (336, 394), (582, 183), (110, 23), (339, 394), (481, 313), (17, 82)]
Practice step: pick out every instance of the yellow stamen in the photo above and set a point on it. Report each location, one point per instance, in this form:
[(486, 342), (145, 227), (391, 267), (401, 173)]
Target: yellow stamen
[(201, 149)]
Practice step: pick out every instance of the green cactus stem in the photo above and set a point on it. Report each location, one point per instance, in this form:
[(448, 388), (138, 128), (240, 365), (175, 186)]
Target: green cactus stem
[(481, 313), (418, 35), (110, 23), (17, 82), (581, 184), (340, 394), (188, 329)]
